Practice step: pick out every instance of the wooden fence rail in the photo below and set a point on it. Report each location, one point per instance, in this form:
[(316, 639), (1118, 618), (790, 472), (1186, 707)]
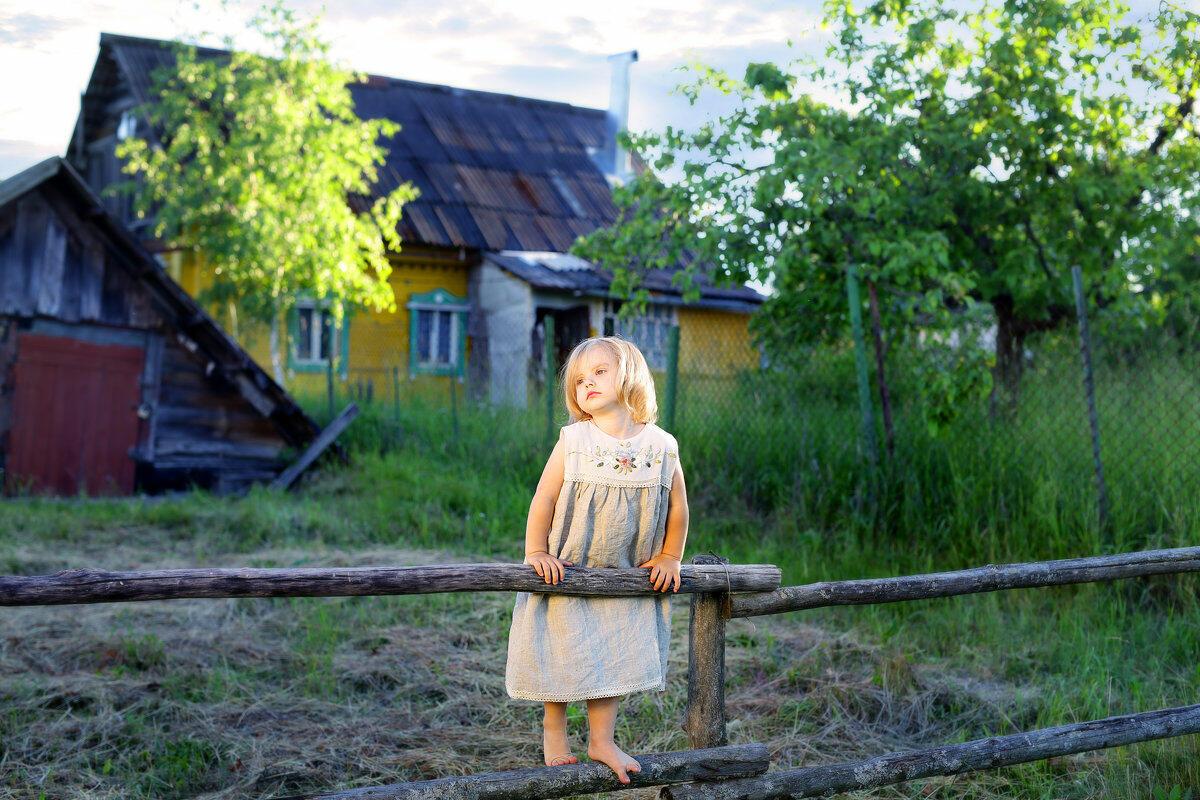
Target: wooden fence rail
[(95, 586), (990, 578), (720, 591), (954, 759), (658, 769)]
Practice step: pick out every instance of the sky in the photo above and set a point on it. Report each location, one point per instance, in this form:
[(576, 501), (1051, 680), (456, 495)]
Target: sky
[(550, 49), (555, 50)]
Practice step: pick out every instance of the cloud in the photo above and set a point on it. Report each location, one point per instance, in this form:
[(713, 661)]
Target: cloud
[(30, 30)]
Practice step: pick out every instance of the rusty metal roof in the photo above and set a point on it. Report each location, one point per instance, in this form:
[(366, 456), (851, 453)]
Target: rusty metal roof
[(495, 171)]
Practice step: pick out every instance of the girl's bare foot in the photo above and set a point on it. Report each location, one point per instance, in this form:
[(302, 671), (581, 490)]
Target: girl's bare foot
[(616, 758), (556, 748)]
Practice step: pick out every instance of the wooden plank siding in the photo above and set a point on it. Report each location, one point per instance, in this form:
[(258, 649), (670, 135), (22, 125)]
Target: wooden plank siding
[(76, 407), (68, 281), (378, 339), (714, 342)]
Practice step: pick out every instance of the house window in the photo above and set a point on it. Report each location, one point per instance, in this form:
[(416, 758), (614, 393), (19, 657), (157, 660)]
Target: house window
[(314, 333), (314, 337), (438, 332), (127, 125), (648, 331)]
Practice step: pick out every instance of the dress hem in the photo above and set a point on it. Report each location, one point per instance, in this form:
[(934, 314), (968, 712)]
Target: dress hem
[(659, 684)]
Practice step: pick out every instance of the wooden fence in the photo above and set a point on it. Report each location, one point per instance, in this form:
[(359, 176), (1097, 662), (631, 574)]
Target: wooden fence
[(712, 769)]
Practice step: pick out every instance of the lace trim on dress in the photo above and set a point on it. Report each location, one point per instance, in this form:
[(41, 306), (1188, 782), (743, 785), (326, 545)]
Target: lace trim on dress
[(567, 697), (588, 477)]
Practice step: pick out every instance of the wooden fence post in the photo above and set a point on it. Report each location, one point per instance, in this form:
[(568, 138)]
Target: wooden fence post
[(705, 724)]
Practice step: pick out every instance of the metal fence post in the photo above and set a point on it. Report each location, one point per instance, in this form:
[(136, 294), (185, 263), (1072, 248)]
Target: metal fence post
[(548, 360), (329, 383), (396, 393), (1089, 388), (672, 377), (705, 724)]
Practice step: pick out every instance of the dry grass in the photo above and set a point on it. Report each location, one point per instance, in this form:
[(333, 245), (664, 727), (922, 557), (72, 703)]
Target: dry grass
[(262, 698)]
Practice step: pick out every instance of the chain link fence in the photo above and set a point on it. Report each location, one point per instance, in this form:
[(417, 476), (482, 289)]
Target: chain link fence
[(799, 434)]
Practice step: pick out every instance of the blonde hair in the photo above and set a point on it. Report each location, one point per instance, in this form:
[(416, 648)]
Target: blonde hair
[(635, 386)]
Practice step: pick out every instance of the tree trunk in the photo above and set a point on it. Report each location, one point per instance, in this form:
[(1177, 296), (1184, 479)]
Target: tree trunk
[(276, 359), (1010, 348), (885, 394)]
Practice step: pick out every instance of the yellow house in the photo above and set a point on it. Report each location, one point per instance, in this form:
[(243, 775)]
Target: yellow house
[(506, 186)]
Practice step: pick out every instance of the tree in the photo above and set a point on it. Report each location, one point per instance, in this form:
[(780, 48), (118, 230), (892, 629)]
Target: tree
[(262, 165), (972, 157)]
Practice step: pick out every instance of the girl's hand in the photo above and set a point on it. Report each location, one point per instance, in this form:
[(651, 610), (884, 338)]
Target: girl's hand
[(547, 566), (664, 571)]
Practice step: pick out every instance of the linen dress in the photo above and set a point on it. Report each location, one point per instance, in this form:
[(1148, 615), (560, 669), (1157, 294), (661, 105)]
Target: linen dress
[(610, 512)]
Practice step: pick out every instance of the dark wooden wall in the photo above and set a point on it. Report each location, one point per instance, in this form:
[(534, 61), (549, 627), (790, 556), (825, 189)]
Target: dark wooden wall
[(61, 275)]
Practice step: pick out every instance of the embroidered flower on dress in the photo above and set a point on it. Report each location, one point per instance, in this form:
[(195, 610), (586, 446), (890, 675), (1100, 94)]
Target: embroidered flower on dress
[(624, 459)]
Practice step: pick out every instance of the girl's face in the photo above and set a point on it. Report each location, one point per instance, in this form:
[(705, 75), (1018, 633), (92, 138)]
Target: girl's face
[(595, 386)]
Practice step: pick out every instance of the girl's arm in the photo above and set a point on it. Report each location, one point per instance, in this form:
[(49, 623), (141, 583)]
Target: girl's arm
[(664, 567), (541, 517), (677, 517)]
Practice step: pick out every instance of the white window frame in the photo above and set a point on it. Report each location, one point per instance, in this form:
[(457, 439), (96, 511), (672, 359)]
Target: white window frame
[(434, 341), (320, 311), (439, 301)]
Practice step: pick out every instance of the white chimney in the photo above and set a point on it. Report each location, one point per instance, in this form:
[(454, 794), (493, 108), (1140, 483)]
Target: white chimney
[(614, 159)]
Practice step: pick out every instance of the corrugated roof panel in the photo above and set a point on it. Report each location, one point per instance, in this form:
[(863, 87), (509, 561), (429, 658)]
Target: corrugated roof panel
[(527, 232), (408, 169), (559, 236), (458, 223), (425, 219), (491, 226), (446, 180), (476, 188), (421, 141)]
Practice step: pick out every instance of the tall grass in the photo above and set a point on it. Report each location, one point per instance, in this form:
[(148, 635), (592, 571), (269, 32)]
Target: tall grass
[(774, 476), (987, 486)]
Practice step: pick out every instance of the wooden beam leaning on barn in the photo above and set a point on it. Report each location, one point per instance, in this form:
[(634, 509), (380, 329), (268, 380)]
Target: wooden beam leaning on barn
[(96, 586), (954, 759), (318, 446), (658, 769)]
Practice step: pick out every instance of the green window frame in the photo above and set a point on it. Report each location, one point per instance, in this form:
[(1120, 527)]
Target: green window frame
[(341, 339), (443, 348)]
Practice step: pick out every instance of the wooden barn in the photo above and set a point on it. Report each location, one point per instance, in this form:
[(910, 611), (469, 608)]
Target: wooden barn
[(112, 378)]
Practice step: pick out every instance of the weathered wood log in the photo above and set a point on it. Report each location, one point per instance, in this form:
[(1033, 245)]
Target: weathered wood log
[(332, 431), (658, 769), (705, 724), (96, 586), (991, 578), (1000, 751)]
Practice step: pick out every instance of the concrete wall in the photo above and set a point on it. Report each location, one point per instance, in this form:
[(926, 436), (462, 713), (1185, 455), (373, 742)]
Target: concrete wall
[(505, 318)]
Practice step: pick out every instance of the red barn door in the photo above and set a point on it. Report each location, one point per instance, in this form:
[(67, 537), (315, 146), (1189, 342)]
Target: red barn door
[(74, 416)]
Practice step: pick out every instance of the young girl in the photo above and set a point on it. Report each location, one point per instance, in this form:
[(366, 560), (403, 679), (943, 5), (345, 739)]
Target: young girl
[(611, 495)]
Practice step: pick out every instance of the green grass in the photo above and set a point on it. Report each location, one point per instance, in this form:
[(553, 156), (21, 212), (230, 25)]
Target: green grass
[(764, 486)]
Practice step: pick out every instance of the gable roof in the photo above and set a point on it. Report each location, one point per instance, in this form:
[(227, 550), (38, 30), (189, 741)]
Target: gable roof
[(496, 172), (227, 359)]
